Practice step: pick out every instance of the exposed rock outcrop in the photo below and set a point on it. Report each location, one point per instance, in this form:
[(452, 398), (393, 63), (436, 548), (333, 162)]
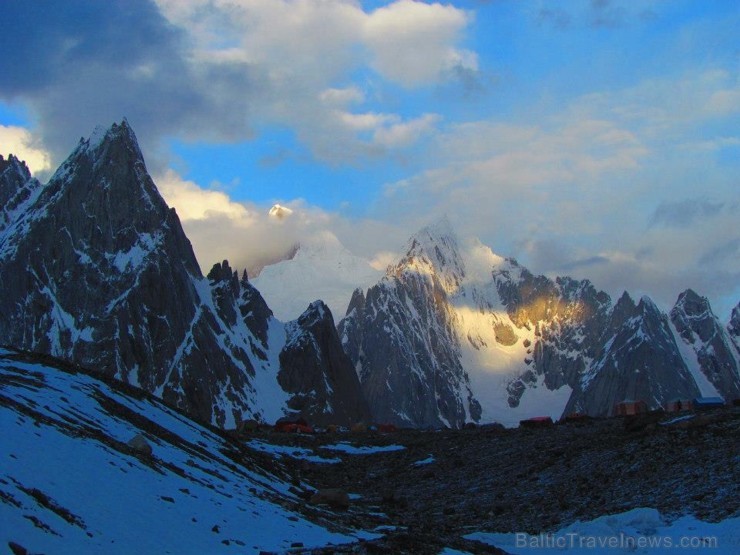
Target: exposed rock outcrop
[(712, 345), (454, 333), (638, 360), (318, 373), (97, 270)]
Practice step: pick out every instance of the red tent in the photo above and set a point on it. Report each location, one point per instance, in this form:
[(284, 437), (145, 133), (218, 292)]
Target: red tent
[(630, 408)]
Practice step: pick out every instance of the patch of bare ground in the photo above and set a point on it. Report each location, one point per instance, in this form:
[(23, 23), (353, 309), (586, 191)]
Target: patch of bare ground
[(445, 484)]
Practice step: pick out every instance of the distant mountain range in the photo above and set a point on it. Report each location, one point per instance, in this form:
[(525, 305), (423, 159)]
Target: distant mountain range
[(97, 270), (454, 333)]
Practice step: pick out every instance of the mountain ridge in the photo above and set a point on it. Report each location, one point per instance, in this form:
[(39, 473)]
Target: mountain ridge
[(98, 270), (552, 346)]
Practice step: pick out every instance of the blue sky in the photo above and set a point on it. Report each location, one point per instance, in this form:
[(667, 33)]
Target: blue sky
[(595, 138)]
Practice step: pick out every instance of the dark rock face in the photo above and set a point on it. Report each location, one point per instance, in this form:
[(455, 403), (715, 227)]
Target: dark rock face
[(401, 339), (567, 317), (605, 354), (638, 360), (424, 361), (314, 368), (17, 189), (715, 351), (97, 269), (733, 328)]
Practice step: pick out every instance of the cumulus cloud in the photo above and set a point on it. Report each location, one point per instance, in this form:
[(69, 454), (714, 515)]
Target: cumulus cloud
[(195, 203), (209, 216), (19, 141), (216, 70), (412, 42), (256, 237), (592, 190), (404, 133)]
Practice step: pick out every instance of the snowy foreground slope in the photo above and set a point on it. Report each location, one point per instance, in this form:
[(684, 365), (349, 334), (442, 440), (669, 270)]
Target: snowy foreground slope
[(70, 483)]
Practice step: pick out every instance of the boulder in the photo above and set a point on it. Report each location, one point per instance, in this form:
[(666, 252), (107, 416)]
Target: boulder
[(139, 444), (334, 497), (248, 426)]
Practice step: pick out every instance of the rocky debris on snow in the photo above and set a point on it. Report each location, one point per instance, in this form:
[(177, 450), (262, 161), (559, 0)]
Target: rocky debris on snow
[(527, 480), (139, 444), (336, 498)]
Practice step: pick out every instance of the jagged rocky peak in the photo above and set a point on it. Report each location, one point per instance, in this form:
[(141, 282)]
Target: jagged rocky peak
[(97, 270), (734, 326), (647, 313), (357, 302), (223, 273), (15, 165), (690, 302), (316, 313), (716, 353), (226, 290), (693, 314), (624, 309), (121, 210), (317, 372), (638, 360), (5, 163), (434, 250), (531, 299), (17, 188)]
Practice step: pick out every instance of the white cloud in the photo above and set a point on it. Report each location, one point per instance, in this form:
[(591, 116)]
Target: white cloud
[(383, 259), (342, 97), (220, 228), (412, 42), (195, 203), (405, 133), (208, 217), (574, 192), (20, 142), (301, 50), (407, 41)]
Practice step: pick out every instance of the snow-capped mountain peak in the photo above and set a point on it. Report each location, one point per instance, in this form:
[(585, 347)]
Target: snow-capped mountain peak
[(734, 325), (434, 251), (499, 343), (322, 268), (709, 349), (18, 190), (278, 211), (97, 269)]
